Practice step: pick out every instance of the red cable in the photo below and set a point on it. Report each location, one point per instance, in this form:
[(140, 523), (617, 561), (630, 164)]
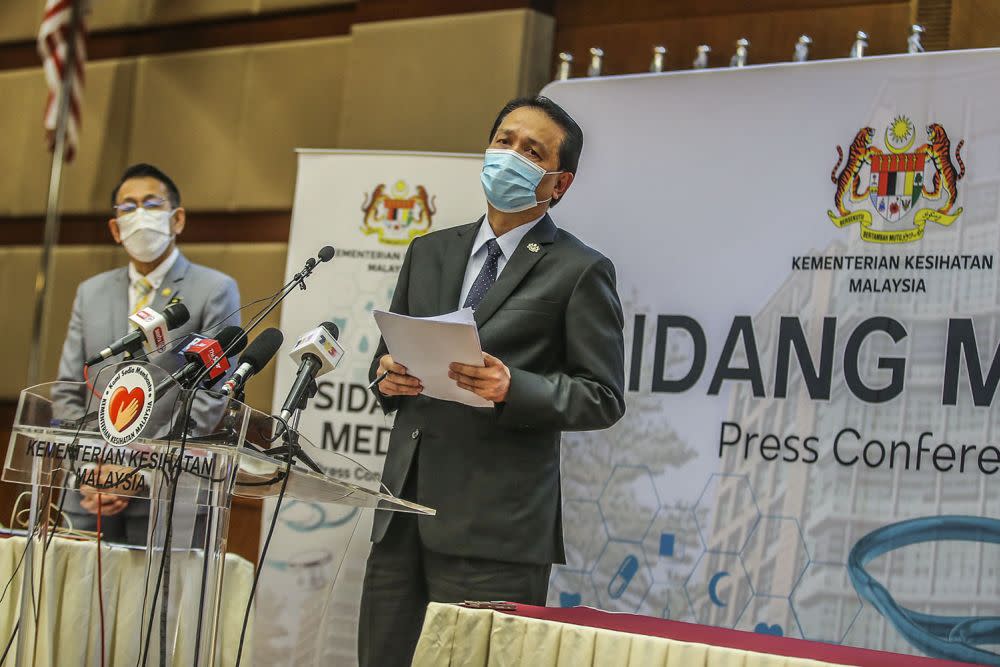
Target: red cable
[(100, 576), (86, 378)]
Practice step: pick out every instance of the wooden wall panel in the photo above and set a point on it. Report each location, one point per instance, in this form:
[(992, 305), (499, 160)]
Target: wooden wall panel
[(436, 84), (186, 119), (19, 19), (572, 13), (116, 14), (292, 99), (23, 94), (628, 46), (101, 153), (975, 24)]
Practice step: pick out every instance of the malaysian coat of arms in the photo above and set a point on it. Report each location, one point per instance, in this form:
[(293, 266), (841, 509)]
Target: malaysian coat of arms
[(899, 178), (397, 216)]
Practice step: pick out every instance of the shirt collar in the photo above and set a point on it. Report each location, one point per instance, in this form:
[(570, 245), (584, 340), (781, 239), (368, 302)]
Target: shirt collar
[(156, 276), (508, 242)]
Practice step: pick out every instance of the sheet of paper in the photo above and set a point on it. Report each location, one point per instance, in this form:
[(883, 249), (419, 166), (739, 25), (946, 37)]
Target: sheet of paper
[(427, 345)]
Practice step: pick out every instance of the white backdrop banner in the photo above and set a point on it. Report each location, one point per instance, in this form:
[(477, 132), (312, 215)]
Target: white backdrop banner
[(368, 205), (807, 258)]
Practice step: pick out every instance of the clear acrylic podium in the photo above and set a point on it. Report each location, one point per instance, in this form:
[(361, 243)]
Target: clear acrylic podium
[(66, 437)]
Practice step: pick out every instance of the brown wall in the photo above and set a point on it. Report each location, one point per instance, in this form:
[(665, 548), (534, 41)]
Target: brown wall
[(220, 92)]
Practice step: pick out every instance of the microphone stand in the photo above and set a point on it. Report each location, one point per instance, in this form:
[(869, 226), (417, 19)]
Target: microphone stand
[(297, 280), (291, 449)]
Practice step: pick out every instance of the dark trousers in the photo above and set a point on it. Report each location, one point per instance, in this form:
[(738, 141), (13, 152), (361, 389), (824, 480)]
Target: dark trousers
[(402, 576)]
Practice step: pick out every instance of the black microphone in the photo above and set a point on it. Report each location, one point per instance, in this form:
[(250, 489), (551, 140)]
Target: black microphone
[(205, 353), (150, 330), (317, 352), (258, 355), (326, 253)]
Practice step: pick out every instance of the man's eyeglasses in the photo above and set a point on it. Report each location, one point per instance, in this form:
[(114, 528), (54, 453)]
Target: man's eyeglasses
[(150, 204)]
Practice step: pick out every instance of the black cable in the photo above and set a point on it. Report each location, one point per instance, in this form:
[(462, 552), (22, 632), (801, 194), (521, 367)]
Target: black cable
[(168, 534), (216, 327), (16, 567), (3, 658), (297, 280), (263, 556)]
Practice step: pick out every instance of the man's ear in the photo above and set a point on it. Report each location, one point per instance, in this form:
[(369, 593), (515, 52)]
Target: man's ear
[(563, 181), (115, 232), (178, 222)]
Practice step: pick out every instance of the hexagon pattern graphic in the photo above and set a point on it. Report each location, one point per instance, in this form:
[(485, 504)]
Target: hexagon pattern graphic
[(621, 577), (571, 588), (718, 589), (775, 555), (583, 527), (629, 502), (769, 615), (811, 601), (718, 562), (726, 512)]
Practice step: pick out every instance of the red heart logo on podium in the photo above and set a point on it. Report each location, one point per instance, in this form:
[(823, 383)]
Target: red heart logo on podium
[(123, 399)]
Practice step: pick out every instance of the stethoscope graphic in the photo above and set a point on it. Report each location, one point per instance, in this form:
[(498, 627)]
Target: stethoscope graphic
[(947, 637), (311, 516)]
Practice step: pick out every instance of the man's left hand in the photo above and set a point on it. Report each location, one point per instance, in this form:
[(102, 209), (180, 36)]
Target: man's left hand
[(491, 381)]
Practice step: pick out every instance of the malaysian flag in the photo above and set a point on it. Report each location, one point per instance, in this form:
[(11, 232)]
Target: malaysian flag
[(53, 47)]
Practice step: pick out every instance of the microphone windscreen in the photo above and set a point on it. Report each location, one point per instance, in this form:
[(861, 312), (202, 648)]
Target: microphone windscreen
[(232, 335), (176, 314), (326, 253), (262, 349), (331, 329)]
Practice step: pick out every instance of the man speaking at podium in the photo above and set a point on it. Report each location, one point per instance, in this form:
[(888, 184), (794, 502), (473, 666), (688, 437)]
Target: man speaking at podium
[(147, 219), (550, 323)]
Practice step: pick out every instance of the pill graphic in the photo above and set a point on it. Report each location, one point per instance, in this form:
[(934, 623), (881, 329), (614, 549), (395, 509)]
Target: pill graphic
[(623, 577)]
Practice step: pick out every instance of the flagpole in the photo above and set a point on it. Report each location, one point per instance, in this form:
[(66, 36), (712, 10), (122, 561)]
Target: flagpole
[(43, 278)]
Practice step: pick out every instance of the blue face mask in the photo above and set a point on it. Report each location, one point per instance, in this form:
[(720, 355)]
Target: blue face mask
[(510, 180)]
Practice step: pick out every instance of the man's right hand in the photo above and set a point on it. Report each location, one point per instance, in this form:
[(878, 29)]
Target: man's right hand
[(398, 382)]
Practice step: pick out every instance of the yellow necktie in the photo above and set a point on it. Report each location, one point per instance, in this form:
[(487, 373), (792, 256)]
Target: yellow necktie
[(144, 290)]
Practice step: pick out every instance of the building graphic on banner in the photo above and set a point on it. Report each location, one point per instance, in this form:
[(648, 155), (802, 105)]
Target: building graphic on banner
[(764, 547)]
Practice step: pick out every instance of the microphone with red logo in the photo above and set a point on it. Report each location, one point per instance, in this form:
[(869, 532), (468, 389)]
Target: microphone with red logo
[(259, 353), (206, 354), (149, 330), (317, 352)]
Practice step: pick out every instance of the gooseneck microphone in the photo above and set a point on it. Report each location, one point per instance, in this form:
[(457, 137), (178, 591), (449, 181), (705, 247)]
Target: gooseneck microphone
[(258, 354), (149, 331), (317, 352)]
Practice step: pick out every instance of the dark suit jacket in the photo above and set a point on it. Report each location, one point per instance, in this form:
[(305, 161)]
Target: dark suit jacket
[(554, 318)]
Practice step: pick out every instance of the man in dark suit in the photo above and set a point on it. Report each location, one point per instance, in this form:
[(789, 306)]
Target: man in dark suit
[(550, 323)]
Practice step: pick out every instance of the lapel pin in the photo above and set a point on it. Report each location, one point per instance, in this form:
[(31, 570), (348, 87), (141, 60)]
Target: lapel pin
[(534, 247)]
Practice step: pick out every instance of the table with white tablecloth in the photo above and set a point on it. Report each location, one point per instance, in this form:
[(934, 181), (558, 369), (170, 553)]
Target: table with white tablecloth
[(69, 618), (528, 636)]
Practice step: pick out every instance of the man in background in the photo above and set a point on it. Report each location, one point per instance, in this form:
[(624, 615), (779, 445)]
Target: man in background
[(550, 324), (146, 221)]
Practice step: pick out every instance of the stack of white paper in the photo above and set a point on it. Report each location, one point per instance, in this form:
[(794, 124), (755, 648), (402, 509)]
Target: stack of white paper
[(427, 345)]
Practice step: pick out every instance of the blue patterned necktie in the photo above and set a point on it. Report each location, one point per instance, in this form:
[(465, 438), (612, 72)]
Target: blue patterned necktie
[(487, 275)]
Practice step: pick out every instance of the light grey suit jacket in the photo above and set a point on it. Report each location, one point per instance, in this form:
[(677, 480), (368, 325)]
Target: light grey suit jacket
[(100, 316)]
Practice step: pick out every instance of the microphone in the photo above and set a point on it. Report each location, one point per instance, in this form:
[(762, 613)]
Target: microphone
[(258, 355), (149, 331), (318, 353), (326, 253), (206, 353)]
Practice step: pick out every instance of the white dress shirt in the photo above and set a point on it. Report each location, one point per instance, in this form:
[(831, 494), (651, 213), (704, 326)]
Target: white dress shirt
[(508, 244), (155, 278)]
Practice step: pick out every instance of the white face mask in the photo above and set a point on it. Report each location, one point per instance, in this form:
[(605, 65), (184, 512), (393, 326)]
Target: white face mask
[(145, 234)]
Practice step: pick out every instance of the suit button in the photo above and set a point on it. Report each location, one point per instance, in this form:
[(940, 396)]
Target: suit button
[(415, 434)]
